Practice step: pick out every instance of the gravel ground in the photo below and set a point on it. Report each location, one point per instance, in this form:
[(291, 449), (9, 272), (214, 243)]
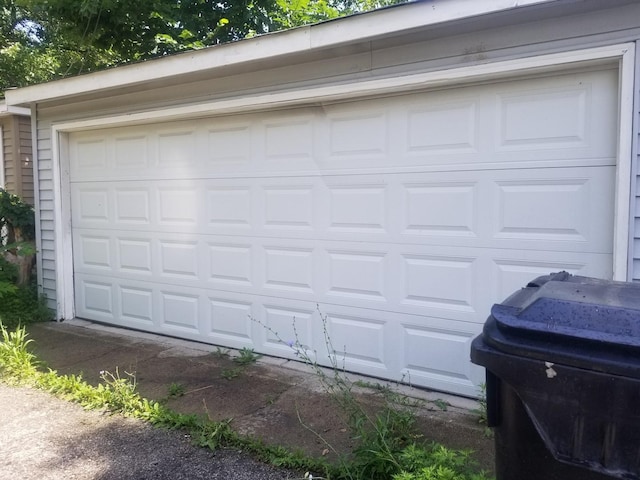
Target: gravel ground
[(44, 438)]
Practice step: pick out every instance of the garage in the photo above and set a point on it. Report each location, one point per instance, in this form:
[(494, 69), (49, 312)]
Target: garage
[(399, 219), (382, 178)]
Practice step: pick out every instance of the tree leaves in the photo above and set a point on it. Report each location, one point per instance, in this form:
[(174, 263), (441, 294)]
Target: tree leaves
[(44, 40)]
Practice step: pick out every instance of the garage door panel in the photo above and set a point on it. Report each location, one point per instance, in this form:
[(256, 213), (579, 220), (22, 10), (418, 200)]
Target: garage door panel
[(177, 149), (289, 325), (97, 296), (512, 269), (505, 123), (134, 255), (403, 218), (95, 252), (509, 208), (442, 128), (91, 205), (136, 304), (430, 347), (131, 152), (428, 280), (424, 216), (231, 263), (288, 207), (525, 123), (289, 270), (443, 281), (179, 311), (229, 320), (288, 141), (177, 206), (358, 208), (549, 209), (229, 208), (132, 206)]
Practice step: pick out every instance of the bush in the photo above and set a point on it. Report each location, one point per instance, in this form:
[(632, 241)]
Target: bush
[(8, 278), (21, 305), (17, 218), (20, 301)]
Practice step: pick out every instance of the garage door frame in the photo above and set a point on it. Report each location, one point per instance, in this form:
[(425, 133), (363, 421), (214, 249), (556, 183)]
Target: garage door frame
[(624, 54)]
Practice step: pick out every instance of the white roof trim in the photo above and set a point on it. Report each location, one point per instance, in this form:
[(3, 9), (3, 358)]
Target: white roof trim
[(6, 110), (298, 40), (318, 95)]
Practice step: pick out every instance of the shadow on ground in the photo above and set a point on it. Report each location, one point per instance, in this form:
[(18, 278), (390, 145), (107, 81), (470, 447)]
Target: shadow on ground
[(46, 438)]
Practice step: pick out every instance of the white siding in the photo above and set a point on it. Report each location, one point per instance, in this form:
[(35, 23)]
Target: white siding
[(634, 230)]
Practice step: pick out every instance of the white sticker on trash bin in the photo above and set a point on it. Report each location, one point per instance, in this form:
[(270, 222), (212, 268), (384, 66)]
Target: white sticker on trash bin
[(550, 371)]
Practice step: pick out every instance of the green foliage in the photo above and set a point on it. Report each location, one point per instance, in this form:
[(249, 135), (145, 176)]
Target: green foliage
[(247, 356), (294, 13), (20, 301), (16, 361), (21, 305), (231, 373), (482, 405), (8, 279), (436, 462), (441, 404), (221, 352), (176, 390), (481, 411), (43, 41), (17, 217)]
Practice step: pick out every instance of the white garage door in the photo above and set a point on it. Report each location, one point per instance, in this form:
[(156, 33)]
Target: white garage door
[(402, 218)]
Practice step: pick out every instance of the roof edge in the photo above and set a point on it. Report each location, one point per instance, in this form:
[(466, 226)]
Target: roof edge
[(356, 28), (6, 110)]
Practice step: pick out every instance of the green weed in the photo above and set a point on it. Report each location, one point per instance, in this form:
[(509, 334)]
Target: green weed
[(481, 411), (176, 390), (247, 356), (231, 373), (221, 352), (441, 404), (17, 363)]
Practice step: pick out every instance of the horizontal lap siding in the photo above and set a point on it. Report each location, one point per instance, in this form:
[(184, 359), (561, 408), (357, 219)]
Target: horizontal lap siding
[(47, 254), (25, 155), (428, 51), (634, 248), (636, 228), (7, 154), (18, 160)]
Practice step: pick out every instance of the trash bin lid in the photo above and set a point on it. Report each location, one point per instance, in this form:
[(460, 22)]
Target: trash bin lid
[(578, 321)]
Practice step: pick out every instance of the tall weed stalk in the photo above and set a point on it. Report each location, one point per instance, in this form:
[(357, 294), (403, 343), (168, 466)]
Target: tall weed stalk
[(388, 444)]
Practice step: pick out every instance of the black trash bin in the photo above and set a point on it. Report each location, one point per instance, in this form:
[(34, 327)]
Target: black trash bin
[(562, 357)]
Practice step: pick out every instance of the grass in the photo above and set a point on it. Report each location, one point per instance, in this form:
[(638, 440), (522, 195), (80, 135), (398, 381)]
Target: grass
[(388, 447)]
